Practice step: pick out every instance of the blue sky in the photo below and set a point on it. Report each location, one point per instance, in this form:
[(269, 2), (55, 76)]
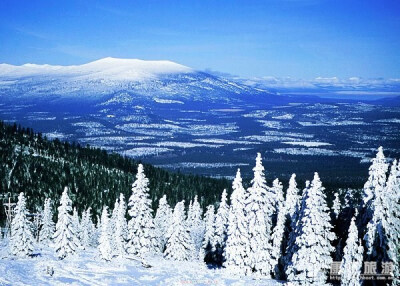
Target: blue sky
[(296, 38)]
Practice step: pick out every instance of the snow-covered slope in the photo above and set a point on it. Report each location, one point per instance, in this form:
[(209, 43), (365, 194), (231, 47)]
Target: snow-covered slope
[(113, 68), (105, 78)]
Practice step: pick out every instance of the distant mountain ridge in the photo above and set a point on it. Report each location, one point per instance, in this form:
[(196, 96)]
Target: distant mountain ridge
[(102, 79)]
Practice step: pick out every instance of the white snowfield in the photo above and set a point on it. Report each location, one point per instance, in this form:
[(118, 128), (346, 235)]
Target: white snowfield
[(107, 68), (87, 268)]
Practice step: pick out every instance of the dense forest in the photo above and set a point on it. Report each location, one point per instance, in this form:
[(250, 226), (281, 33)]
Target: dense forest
[(41, 168)]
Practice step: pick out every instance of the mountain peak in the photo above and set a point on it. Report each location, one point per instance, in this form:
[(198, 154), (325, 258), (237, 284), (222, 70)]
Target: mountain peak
[(110, 68)]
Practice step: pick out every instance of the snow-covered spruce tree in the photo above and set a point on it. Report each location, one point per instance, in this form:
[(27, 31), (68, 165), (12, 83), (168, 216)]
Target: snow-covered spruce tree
[(336, 207), (85, 231), (221, 229), (162, 221), (279, 230), (383, 230), (312, 256), (121, 228), (237, 243), (196, 226), (375, 184), (21, 241), (393, 213), (65, 239), (179, 244), (208, 247), (292, 196), (113, 221), (350, 268), (295, 221), (76, 223), (141, 231), (47, 231), (105, 237), (259, 209), (276, 192)]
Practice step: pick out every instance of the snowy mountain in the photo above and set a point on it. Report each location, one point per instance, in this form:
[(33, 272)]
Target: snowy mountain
[(103, 79), (178, 118)]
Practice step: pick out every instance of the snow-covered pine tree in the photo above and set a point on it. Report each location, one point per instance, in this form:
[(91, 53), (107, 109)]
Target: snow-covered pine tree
[(121, 228), (375, 184), (208, 247), (292, 197), (350, 268), (336, 207), (190, 213), (21, 241), (141, 230), (196, 226), (47, 231), (65, 239), (85, 232), (221, 228), (259, 209), (393, 213), (113, 221), (276, 193), (97, 230), (383, 230), (279, 229), (179, 244), (105, 237), (92, 228), (295, 221), (76, 223), (162, 221), (312, 256), (237, 243)]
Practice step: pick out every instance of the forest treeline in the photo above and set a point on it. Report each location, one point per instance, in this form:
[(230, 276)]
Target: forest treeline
[(41, 168)]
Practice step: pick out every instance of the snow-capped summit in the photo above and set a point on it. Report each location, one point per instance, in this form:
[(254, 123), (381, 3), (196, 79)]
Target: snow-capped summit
[(114, 81), (111, 68)]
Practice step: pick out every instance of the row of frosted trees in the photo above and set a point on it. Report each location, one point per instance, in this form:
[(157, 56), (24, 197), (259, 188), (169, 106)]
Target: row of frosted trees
[(262, 232)]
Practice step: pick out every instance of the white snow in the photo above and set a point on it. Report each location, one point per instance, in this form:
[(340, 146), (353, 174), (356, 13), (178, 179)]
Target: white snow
[(167, 101), (145, 151), (103, 69), (307, 144), (86, 268)]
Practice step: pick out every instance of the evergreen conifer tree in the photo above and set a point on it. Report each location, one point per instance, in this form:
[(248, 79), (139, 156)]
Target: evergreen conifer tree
[(312, 247), (21, 241), (105, 237), (76, 223), (350, 268), (237, 244), (47, 231), (85, 230), (279, 230), (141, 231), (65, 239), (336, 207), (208, 248), (162, 221), (259, 209), (121, 228), (375, 184), (221, 228), (383, 230), (292, 197), (179, 244), (196, 225)]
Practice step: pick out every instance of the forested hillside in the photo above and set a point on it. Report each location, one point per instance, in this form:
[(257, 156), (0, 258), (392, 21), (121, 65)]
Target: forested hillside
[(41, 168)]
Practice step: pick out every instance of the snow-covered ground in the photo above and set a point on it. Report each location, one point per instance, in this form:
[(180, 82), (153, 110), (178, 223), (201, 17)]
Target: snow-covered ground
[(87, 269)]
